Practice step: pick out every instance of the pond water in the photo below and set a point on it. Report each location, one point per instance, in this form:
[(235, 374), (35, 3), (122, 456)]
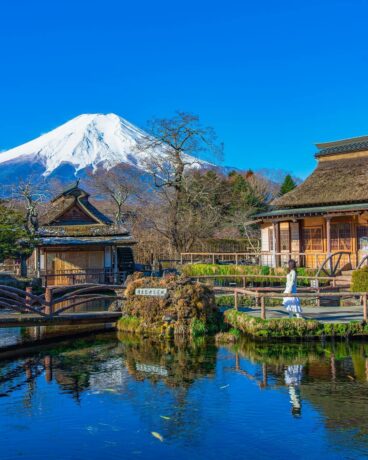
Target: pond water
[(120, 397)]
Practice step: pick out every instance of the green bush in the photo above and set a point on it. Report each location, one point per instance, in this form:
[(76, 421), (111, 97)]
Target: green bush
[(194, 270), (360, 280)]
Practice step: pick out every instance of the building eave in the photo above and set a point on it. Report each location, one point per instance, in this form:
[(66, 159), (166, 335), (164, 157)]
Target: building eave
[(356, 208)]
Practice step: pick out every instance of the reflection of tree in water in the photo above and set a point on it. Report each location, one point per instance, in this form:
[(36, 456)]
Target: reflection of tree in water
[(333, 377), (170, 369), (154, 376), (177, 363)]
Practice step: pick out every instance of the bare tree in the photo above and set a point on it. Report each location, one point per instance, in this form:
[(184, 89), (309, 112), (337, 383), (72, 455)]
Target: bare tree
[(31, 197), (174, 146), (119, 184)]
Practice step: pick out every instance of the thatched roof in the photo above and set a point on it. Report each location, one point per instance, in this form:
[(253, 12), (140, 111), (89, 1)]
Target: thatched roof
[(73, 218), (333, 181)]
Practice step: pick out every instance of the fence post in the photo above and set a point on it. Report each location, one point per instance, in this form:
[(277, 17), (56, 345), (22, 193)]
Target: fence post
[(244, 282), (263, 308), (49, 307), (318, 298), (236, 300), (28, 298), (365, 307), (213, 259)]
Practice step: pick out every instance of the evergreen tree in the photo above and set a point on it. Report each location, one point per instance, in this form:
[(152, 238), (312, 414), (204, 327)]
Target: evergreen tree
[(15, 241), (287, 185)]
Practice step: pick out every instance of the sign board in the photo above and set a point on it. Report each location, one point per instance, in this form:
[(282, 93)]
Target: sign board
[(152, 369), (314, 284), (153, 292)]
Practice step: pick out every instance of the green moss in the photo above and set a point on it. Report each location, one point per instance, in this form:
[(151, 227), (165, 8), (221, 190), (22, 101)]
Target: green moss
[(129, 324), (197, 327), (359, 281), (292, 328)]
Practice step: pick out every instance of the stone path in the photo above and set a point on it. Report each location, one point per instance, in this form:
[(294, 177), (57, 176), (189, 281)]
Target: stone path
[(323, 314)]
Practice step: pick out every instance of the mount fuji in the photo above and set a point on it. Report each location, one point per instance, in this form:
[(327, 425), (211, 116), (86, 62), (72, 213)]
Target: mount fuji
[(89, 141)]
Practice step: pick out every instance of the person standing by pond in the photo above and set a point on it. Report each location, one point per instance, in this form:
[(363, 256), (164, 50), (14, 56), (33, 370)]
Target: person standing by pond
[(291, 304)]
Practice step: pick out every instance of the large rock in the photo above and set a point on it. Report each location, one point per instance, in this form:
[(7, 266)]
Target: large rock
[(187, 308)]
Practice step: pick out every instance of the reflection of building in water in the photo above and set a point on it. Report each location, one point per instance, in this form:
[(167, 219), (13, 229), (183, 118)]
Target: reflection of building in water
[(293, 378)]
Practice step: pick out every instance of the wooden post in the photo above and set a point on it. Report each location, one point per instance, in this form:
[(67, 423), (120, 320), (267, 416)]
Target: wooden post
[(274, 242), (244, 282), (318, 298), (236, 300), (49, 308), (116, 268), (236, 259), (191, 258), (263, 308), (213, 258), (28, 298), (365, 307)]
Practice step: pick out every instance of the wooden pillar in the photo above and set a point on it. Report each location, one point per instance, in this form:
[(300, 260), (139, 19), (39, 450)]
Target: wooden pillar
[(49, 307), (263, 308), (115, 264), (236, 299), (274, 243), (328, 240), (38, 262)]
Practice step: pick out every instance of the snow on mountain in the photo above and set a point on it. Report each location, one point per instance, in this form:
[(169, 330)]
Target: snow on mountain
[(89, 140)]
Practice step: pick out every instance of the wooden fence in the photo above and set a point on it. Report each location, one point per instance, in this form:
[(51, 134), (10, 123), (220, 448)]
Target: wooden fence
[(260, 297)]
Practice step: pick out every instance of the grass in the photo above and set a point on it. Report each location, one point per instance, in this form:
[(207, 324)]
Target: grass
[(292, 328), (194, 270)]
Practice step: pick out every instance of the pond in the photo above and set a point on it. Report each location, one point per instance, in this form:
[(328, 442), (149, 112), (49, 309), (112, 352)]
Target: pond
[(120, 397)]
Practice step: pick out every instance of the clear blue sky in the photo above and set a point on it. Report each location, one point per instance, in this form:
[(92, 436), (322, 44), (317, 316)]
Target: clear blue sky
[(272, 77)]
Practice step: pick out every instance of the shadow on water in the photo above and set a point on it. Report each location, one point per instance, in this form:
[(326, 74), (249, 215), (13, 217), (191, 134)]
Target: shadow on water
[(188, 390)]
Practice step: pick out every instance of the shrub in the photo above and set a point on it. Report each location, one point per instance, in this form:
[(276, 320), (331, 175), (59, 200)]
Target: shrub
[(360, 280)]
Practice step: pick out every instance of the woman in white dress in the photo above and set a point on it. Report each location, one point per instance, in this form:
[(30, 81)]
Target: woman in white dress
[(291, 304)]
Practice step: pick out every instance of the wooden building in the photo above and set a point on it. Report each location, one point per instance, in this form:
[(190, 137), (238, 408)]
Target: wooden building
[(326, 217), (76, 243)]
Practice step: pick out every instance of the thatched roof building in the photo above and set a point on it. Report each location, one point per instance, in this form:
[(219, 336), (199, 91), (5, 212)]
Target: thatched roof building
[(329, 211), (77, 243)]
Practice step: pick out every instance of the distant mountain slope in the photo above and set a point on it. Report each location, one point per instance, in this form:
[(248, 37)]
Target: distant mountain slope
[(87, 141)]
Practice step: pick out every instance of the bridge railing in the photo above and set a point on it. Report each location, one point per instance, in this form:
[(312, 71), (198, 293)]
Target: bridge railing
[(56, 301)]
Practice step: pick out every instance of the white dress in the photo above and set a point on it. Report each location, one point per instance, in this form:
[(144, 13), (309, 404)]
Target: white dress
[(292, 304)]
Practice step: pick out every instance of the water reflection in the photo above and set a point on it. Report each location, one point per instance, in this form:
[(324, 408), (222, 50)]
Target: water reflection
[(119, 389)]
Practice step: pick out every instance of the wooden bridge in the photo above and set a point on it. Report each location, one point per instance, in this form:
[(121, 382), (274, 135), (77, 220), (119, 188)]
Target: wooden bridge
[(58, 305)]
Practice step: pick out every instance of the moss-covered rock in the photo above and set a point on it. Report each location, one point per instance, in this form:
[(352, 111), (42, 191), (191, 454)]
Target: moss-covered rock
[(187, 308), (292, 328)]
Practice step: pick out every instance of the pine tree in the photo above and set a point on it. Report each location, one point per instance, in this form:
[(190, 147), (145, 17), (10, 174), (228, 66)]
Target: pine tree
[(14, 239), (287, 185)]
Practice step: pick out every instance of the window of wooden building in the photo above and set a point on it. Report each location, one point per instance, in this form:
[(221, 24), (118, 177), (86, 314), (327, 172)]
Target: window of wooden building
[(270, 239), (312, 239), (341, 237), (362, 236), (284, 237)]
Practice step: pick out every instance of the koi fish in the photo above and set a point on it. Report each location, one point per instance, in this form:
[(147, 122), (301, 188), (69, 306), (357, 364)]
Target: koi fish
[(157, 436)]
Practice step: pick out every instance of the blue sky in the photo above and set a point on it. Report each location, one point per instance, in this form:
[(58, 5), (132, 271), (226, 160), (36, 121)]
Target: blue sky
[(272, 77)]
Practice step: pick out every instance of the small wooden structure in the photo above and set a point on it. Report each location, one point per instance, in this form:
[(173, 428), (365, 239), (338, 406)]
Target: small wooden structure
[(76, 243), (326, 215)]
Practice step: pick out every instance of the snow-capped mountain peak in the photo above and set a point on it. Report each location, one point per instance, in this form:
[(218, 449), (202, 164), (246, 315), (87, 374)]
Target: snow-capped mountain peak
[(89, 140)]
